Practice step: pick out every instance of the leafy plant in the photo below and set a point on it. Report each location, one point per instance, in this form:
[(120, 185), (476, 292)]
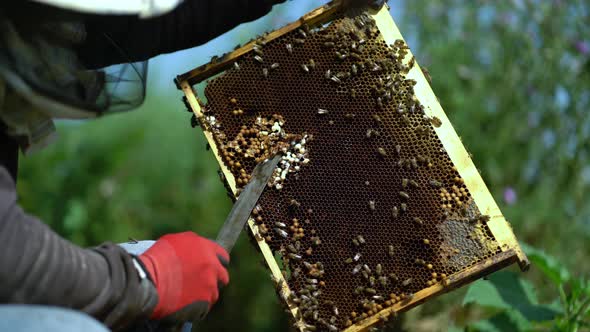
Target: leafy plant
[(511, 303)]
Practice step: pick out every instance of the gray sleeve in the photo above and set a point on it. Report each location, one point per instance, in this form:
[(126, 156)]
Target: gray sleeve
[(37, 266)]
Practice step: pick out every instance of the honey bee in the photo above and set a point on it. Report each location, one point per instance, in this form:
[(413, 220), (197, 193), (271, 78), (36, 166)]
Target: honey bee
[(349, 116), (370, 290), (316, 241), (377, 118), (353, 93), (387, 95), (236, 66), (312, 63), (435, 183), (404, 195), (280, 224), (426, 241), (365, 274), (357, 269), (398, 149), (258, 58), (336, 79), (340, 56), (322, 111), (382, 152), (265, 72), (406, 120), (311, 288), (289, 48), (305, 68), (358, 57), (421, 131), (274, 66), (348, 261), (426, 74), (302, 33), (379, 102), (414, 184), (359, 22), (393, 277), (355, 242), (394, 212), (357, 256), (403, 207), (405, 182), (372, 205), (418, 221), (383, 281), (407, 282), (299, 41), (291, 248), (378, 269), (361, 239), (354, 69), (329, 44), (281, 233), (371, 133), (257, 50), (436, 122), (412, 62), (391, 251)]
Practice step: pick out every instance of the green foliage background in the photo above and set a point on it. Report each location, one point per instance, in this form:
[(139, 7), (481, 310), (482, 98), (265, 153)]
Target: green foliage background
[(513, 77)]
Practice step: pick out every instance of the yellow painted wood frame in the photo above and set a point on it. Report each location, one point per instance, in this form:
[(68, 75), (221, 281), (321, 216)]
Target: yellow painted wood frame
[(500, 228)]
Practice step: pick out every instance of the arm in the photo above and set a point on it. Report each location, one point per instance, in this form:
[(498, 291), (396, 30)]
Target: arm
[(39, 267), (193, 23)]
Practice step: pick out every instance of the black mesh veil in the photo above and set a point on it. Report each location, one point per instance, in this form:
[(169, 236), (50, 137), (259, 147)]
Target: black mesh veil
[(38, 59)]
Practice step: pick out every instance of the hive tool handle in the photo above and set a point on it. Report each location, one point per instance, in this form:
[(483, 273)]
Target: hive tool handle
[(240, 213)]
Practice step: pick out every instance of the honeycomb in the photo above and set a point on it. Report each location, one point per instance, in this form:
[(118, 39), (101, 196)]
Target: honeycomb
[(366, 207)]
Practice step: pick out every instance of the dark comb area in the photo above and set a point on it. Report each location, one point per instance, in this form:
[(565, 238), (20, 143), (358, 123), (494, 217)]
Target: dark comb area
[(366, 207)]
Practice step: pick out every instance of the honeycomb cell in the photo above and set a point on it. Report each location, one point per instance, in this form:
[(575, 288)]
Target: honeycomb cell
[(361, 160)]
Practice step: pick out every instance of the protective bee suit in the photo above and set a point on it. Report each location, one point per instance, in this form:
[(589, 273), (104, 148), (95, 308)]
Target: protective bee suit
[(83, 59)]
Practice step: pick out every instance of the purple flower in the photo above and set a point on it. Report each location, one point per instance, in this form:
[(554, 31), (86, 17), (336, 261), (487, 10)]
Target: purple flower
[(582, 47), (509, 195)]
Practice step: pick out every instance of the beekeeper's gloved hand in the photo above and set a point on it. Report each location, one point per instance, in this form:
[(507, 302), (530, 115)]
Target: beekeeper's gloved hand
[(188, 271)]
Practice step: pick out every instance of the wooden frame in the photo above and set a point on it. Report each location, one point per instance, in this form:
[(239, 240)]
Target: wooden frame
[(500, 228)]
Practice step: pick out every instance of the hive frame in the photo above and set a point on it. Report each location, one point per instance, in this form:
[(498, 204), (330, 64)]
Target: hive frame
[(500, 228)]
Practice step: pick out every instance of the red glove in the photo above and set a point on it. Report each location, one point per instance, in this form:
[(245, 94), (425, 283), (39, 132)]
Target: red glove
[(188, 271)]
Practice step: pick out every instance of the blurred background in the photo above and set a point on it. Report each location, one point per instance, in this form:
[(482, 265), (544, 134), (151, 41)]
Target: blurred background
[(514, 79)]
